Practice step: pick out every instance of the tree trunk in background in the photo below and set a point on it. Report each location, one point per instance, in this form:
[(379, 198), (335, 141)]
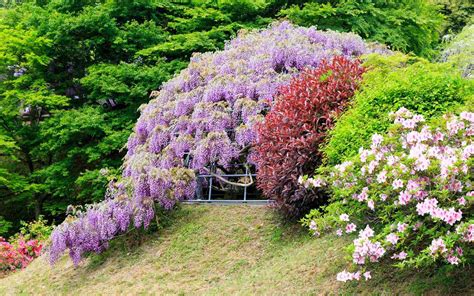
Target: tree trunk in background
[(39, 207)]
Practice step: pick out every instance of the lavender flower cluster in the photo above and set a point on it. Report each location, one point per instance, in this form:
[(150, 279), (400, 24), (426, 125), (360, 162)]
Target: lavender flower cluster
[(202, 117), (207, 113)]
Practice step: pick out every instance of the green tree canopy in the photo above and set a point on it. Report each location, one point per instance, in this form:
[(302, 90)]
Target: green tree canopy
[(72, 76), (406, 25)]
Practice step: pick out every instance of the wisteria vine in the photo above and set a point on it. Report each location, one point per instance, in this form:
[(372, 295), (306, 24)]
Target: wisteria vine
[(204, 116)]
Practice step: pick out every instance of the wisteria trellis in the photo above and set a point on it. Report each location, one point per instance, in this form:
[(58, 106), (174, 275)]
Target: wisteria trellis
[(207, 112)]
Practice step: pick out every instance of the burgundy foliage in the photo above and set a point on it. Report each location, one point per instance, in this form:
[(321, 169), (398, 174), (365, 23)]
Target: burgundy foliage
[(290, 136)]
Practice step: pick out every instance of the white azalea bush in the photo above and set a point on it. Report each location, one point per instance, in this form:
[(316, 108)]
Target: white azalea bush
[(408, 197)]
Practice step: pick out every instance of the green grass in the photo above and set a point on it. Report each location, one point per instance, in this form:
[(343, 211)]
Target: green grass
[(223, 250)]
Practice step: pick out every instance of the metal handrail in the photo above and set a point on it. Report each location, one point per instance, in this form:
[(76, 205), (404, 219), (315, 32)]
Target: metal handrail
[(222, 177)]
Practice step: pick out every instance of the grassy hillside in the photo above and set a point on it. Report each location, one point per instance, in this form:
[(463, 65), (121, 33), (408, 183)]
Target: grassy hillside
[(222, 250)]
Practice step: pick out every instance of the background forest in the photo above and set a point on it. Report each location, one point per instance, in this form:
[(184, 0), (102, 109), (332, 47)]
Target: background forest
[(356, 118), (74, 73)]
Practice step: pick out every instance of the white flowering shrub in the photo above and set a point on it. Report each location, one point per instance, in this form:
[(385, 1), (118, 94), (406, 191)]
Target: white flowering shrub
[(409, 196)]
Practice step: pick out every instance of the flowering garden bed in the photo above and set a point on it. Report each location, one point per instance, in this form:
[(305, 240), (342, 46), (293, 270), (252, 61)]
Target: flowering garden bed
[(408, 197)]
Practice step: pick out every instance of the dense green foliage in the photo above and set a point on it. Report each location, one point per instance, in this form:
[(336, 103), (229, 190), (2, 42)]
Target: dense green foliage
[(72, 76), (394, 82), (458, 14), (406, 25)]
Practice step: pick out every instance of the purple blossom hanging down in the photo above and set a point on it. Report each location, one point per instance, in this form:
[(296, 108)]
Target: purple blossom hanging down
[(204, 116)]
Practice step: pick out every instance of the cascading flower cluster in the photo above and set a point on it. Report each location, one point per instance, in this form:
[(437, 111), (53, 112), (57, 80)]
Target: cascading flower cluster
[(92, 229), (412, 189), (206, 115), (203, 117)]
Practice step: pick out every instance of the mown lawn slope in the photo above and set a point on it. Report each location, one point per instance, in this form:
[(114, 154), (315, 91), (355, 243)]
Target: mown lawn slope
[(223, 250)]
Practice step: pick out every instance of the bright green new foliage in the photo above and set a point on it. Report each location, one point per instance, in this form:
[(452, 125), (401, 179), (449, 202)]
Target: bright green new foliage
[(394, 82)]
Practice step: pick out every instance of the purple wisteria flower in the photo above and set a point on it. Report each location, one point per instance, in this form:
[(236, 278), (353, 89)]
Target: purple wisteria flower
[(203, 117)]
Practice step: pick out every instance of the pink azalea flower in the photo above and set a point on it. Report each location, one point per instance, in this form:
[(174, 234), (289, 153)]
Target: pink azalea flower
[(404, 198), (363, 195), (438, 136), (365, 249), (412, 185), (392, 238), (418, 118), (344, 217), (427, 206), (401, 227), (345, 276), (391, 160), (316, 183), (351, 228), (364, 154), (367, 275), (422, 164), (343, 166), (397, 184), (371, 204), (469, 234), (421, 194), (400, 256), (376, 140), (452, 216), (454, 126), (437, 246), (468, 151), (408, 123), (372, 166), (468, 116), (367, 232), (382, 176), (453, 260)]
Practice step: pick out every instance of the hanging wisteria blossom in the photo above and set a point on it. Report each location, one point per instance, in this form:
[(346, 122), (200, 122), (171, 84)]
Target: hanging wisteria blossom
[(206, 115), (203, 119)]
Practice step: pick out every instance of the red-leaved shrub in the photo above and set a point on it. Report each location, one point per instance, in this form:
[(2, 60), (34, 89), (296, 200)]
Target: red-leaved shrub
[(290, 136)]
